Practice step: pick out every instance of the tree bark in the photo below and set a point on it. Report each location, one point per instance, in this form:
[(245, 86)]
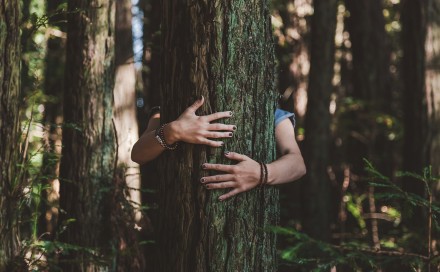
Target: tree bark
[(10, 191), (415, 119), (224, 51), (370, 49), (432, 77), (317, 122), (128, 184), (88, 161), (54, 89)]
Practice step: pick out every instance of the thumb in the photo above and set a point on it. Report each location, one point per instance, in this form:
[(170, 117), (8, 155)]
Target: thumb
[(196, 105)]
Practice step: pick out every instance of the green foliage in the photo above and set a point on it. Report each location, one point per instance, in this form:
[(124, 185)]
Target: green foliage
[(354, 254)]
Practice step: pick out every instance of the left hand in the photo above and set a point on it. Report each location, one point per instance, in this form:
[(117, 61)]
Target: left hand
[(242, 177)]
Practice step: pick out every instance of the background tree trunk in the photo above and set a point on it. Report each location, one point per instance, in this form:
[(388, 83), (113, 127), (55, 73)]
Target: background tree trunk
[(128, 183), (88, 161), (432, 77), (317, 123), (415, 118), (10, 191), (371, 86), (224, 51), (54, 89)]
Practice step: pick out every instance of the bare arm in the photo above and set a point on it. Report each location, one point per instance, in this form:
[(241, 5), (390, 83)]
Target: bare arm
[(245, 175), (290, 166), (188, 128)]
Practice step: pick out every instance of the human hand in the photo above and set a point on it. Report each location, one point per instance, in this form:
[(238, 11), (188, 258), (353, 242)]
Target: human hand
[(194, 129), (242, 177)]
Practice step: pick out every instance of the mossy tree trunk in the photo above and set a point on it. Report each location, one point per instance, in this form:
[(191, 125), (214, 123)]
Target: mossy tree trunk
[(10, 191), (224, 51), (316, 189), (89, 151)]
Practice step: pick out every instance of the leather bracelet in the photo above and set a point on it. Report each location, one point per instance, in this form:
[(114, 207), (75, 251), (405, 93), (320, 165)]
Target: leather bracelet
[(261, 174), (160, 137), (266, 174)]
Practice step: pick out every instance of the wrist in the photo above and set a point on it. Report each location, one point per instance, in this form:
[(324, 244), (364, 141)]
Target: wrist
[(171, 133), (270, 176)]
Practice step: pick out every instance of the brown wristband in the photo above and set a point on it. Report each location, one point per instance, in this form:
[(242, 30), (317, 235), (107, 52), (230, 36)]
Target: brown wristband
[(160, 137)]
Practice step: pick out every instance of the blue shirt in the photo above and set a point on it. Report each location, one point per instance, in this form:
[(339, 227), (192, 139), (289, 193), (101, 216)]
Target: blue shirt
[(281, 115)]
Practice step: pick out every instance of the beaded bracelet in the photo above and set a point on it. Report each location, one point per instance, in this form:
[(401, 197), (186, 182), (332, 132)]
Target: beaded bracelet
[(263, 174), (160, 137)]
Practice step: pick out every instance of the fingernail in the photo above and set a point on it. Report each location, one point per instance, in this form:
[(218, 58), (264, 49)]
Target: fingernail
[(231, 113), (222, 144), (202, 180), (207, 186), (226, 153), (230, 134), (221, 199), (200, 97), (234, 128), (203, 166)]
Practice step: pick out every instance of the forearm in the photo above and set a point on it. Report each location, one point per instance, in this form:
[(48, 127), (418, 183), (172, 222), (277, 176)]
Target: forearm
[(147, 148), (287, 168)]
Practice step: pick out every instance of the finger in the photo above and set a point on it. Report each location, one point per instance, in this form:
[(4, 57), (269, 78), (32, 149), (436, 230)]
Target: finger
[(196, 105), (222, 127), (218, 115), (217, 178), (218, 167), (221, 185), (228, 195), (212, 143), (236, 156), (216, 135)]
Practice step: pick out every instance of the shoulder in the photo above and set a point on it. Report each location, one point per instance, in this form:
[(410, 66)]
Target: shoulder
[(153, 111), (281, 115)]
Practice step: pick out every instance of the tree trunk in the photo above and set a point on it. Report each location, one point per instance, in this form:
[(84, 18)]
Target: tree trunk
[(10, 191), (88, 161), (415, 142), (371, 85), (151, 92), (54, 89), (317, 123), (366, 26), (224, 51), (128, 184), (432, 77)]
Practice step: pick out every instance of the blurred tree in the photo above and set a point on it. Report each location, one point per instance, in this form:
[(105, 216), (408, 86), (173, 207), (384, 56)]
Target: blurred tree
[(224, 51), (371, 87), (432, 47), (128, 181), (10, 190), (89, 146), (151, 52), (151, 95), (316, 189), (416, 142), (53, 89)]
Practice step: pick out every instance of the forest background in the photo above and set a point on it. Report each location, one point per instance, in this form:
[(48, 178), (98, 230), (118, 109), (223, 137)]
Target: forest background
[(361, 76)]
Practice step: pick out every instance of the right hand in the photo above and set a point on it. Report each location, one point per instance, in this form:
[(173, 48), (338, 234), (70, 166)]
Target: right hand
[(194, 129)]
